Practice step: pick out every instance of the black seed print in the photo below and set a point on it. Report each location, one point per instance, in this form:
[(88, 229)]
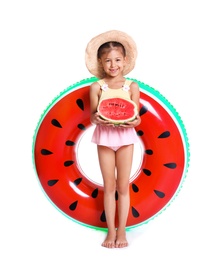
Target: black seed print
[(81, 126), (69, 143), (140, 133), (170, 165), (73, 206), (147, 172), (94, 193), (135, 213), (143, 110), (160, 194), (103, 217), (80, 104), (56, 123), (46, 152), (52, 182), (149, 152), (68, 163), (77, 181), (116, 195), (164, 134), (135, 188)]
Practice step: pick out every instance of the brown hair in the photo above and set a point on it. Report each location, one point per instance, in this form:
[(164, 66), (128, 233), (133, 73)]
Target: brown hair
[(109, 46)]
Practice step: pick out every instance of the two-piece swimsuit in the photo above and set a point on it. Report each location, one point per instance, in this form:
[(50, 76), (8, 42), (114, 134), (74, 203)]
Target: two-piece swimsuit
[(114, 137)]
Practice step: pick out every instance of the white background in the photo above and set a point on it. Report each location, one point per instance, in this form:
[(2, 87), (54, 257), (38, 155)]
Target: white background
[(41, 53)]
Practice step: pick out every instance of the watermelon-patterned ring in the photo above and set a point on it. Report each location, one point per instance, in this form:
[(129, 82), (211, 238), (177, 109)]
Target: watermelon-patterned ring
[(157, 182)]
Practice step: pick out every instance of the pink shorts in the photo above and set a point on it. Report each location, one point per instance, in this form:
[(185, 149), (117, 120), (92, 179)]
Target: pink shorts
[(114, 148), (114, 136)]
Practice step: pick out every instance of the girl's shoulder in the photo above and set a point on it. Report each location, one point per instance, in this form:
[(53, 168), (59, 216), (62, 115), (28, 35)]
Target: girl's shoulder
[(95, 87), (133, 85), (95, 84)]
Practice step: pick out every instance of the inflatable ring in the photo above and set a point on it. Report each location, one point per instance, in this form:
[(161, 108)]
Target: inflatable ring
[(164, 163)]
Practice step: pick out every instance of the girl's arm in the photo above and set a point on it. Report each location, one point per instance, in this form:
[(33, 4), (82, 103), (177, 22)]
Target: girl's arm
[(135, 93)]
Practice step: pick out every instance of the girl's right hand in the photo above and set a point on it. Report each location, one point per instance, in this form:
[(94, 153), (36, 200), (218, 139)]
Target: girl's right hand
[(97, 120)]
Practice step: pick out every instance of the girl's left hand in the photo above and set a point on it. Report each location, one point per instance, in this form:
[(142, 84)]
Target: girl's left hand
[(133, 123)]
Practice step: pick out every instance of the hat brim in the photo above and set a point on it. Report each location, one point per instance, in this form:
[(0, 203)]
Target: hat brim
[(91, 59)]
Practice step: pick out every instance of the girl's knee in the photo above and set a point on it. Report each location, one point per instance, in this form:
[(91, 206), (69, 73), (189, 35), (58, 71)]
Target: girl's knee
[(123, 189), (110, 187)]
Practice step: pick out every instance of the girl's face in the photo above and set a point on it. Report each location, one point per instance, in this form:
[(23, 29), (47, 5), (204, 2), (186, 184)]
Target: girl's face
[(113, 62)]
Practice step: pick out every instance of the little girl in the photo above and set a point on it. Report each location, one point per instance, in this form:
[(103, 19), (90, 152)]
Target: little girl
[(109, 57)]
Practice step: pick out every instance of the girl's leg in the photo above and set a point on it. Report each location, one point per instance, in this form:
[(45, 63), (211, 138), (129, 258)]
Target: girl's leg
[(124, 157), (107, 166)]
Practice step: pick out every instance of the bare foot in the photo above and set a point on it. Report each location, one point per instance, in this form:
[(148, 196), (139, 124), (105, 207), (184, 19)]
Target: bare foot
[(121, 240), (109, 242)]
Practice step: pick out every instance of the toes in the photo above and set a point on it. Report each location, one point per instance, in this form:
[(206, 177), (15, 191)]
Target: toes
[(108, 244), (121, 244)]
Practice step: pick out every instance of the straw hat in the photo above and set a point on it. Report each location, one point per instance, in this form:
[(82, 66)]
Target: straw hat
[(91, 59)]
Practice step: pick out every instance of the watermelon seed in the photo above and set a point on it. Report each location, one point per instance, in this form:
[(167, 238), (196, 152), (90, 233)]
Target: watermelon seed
[(94, 193), (164, 134), (52, 182), (135, 213), (46, 152), (68, 163), (56, 123), (103, 217), (140, 133), (160, 194), (77, 181), (69, 143), (80, 103), (170, 165), (147, 172), (143, 110), (116, 195), (81, 126), (73, 205), (135, 188), (149, 152)]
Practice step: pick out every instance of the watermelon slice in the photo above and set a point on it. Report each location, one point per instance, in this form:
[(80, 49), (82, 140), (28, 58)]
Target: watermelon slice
[(117, 110)]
